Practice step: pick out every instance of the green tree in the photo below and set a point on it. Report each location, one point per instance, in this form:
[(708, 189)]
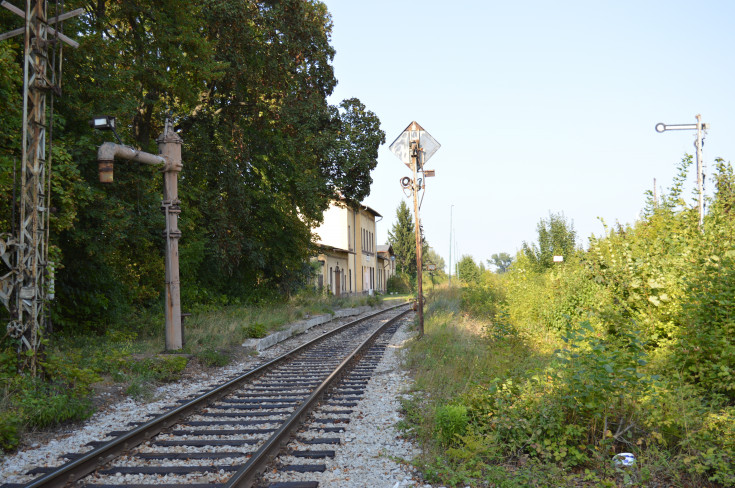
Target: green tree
[(430, 256), (246, 85), (468, 271), (355, 152), (402, 236), (556, 237), (501, 261)]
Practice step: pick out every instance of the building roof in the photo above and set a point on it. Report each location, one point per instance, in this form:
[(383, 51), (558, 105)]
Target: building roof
[(385, 251), (328, 248), (372, 211), (363, 207)]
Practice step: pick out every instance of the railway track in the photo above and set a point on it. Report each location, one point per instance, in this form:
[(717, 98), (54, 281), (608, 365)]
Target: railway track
[(226, 437)]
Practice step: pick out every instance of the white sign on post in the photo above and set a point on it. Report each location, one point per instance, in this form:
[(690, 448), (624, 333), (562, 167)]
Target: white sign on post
[(401, 147)]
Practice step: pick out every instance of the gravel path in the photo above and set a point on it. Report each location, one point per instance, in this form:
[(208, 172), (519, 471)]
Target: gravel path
[(371, 444)]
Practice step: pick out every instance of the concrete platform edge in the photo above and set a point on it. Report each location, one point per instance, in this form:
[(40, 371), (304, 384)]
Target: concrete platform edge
[(302, 326)]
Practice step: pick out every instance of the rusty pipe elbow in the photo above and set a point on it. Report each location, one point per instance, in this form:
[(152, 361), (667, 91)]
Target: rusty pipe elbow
[(105, 160), (108, 151)]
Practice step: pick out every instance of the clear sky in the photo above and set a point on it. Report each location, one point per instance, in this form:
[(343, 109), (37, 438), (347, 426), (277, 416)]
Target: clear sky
[(539, 106)]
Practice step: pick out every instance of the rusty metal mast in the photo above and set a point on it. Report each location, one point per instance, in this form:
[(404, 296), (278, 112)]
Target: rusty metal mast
[(414, 146), (23, 288)]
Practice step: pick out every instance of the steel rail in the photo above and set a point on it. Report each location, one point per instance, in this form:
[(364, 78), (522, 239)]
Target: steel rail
[(75, 470), (246, 476)]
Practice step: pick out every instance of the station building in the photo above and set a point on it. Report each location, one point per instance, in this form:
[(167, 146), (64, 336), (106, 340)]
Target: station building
[(350, 262)]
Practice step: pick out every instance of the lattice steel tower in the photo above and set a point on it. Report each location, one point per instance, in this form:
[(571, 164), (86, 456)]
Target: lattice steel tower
[(24, 283)]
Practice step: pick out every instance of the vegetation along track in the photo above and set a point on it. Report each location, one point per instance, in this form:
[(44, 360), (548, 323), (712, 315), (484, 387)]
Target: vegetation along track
[(225, 437)]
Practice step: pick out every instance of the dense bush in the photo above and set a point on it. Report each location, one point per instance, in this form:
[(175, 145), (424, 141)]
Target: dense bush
[(626, 347), (451, 423), (28, 402), (400, 283)]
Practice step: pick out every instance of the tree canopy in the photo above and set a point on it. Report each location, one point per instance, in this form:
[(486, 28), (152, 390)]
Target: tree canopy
[(245, 83), (501, 261), (430, 256), (556, 237), (468, 271)]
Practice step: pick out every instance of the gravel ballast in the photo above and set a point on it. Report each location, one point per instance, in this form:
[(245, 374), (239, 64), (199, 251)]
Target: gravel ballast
[(371, 448)]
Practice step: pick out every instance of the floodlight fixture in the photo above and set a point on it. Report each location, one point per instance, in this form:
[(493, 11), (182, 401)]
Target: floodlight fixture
[(105, 122)]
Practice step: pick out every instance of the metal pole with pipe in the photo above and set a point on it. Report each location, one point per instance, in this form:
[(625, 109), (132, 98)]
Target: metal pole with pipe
[(169, 147)]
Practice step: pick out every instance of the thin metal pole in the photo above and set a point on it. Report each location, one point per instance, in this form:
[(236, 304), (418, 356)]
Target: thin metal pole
[(414, 163), (700, 172), (655, 194), (451, 208)]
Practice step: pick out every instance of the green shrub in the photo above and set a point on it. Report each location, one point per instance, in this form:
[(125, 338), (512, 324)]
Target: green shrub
[(450, 423), (374, 300), (212, 357), (255, 330), (10, 424), (160, 368), (399, 283), (140, 387), (706, 349), (482, 300), (710, 449), (45, 404), (168, 368)]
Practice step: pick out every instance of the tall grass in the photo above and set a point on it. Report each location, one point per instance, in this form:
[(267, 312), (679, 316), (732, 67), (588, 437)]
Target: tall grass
[(456, 358)]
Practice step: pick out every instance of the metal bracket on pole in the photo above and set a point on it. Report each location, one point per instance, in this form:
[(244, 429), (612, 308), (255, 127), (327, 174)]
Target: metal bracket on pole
[(698, 143)]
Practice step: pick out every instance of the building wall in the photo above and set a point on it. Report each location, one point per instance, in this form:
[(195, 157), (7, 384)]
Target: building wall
[(365, 251), (344, 228), (333, 231), (385, 269), (333, 263)]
